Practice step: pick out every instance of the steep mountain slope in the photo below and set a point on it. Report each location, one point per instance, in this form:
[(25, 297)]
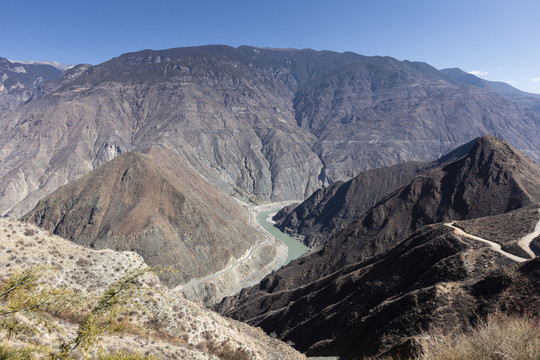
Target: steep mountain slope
[(270, 124), (493, 178), (155, 205), (329, 209), (434, 277), (366, 272), (164, 324), (526, 99), (19, 81)]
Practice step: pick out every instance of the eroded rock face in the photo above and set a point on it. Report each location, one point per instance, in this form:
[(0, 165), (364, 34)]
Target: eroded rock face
[(155, 205), (389, 273), (269, 124)]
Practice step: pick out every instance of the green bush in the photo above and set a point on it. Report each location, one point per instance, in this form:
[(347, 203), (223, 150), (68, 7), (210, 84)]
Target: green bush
[(26, 308)]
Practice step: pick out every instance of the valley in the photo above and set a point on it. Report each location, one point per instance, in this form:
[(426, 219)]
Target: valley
[(303, 203)]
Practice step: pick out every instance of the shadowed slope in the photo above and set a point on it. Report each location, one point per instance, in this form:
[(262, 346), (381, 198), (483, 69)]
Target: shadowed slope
[(366, 291)]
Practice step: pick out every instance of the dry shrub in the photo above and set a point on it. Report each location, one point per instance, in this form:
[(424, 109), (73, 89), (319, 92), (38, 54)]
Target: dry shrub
[(29, 232), (499, 337), (224, 350)]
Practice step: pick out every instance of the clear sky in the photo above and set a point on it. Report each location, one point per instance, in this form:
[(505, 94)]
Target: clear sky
[(499, 39)]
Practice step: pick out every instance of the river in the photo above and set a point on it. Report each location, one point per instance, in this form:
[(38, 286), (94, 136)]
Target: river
[(296, 248)]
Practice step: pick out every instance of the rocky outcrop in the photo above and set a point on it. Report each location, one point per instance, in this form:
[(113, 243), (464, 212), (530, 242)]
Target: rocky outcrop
[(389, 273), (155, 205), (261, 123)]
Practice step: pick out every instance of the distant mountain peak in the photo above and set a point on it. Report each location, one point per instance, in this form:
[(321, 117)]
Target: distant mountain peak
[(56, 64)]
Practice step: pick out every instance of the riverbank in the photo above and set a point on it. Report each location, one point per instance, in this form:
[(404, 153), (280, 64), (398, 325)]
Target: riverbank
[(296, 248)]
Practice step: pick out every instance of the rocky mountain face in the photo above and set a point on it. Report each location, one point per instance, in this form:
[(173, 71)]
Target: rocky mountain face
[(526, 99), (261, 123), (162, 324), (19, 81), (155, 205), (389, 273)]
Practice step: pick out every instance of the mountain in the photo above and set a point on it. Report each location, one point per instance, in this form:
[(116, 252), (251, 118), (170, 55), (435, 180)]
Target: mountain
[(155, 205), (55, 64), (265, 124), (330, 209), (526, 99), (19, 80), (432, 278), (390, 273), (161, 323)]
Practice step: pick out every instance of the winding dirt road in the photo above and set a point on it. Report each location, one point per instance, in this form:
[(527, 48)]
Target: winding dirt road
[(494, 246), (525, 242), (267, 240)]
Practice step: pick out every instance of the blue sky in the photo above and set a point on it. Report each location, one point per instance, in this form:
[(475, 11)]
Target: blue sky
[(499, 39)]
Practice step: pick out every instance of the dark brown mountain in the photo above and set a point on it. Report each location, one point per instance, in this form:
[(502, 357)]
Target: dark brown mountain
[(330, 209), (382, 278), (263, 123), (153, 204), (432, 278)]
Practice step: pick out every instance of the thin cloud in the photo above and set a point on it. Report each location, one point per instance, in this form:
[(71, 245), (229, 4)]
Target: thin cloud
[(536, 79), (478, 72), (511, 82)]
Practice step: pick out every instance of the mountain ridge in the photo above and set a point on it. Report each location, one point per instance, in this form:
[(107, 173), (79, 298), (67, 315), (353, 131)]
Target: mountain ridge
[(265, 124), (155, 205), (399, 266)]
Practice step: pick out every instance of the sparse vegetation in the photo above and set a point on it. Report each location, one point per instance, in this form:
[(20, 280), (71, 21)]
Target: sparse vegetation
[(499, 337), (26, 309)]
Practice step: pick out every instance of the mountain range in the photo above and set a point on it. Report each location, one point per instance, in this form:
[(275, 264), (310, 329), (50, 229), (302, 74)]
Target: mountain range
[(267, 124), (20, 80)]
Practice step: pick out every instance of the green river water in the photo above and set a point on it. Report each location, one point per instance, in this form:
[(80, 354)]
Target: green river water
[(296, 248)]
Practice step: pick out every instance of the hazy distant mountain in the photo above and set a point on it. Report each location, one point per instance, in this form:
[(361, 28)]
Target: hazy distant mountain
[(521, 97), (155, 205), (382, 278), (263, 123), (19, 80), (56, 64)]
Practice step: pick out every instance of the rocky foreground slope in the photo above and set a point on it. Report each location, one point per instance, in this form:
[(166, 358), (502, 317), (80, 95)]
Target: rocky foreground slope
[(268, 124), (155, 205), (164, 325), (375, 284)]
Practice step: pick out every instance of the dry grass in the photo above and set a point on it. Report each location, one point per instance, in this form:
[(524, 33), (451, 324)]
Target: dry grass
[(499, 337), (162, 323)]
